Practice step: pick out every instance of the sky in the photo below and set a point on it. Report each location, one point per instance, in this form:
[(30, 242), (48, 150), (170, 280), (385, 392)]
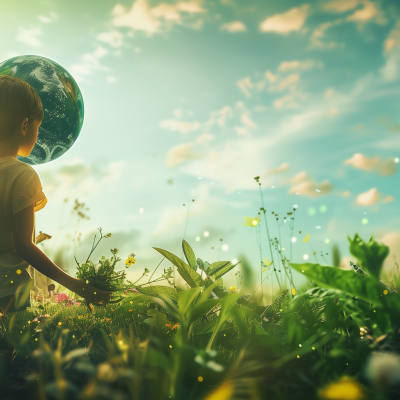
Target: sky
[(192, 99)]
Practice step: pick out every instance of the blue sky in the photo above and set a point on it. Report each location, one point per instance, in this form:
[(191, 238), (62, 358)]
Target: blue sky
[(193, 99)]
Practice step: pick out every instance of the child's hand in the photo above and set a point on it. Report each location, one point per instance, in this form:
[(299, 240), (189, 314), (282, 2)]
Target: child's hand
[(90, 293)]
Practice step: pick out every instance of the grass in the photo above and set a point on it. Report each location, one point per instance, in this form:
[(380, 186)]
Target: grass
[(337, 338)]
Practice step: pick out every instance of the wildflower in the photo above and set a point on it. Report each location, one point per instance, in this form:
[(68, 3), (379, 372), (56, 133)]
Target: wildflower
[(200, 379), (345, 388), (108, 319), (267, 263), (249, 221), (293, 291), (19, 271), (129, 261), (60, 323), (223, 392), (233, 289), (175, 326), (168, 325), (60, 297), (130, 310)]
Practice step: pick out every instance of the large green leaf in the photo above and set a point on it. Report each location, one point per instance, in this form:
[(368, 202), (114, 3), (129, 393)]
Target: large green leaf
[(187, 298), (191, 277), (227, 303), (189, 254), (349, 282), (209, 326), (216, 266), (160, 319), (225, 269), (159, 291), (199, 310), (371, 254), (204, 265)]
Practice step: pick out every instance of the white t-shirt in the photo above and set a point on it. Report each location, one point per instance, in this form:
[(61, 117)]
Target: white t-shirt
[(20, 187)]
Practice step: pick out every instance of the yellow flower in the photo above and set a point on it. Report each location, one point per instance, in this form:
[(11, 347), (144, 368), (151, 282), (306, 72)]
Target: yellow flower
[(60, 323), (200, 379), (385, 292), (223, 392), (293, 291), (345, 388), (129, 261), (19, 271), (233, 289), (252, 222), (267, 263), (306, 238)]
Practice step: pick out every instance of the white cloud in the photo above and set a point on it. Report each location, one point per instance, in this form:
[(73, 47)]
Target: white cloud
[(284, 167), (388, 199), (113, 38), (392, 41), (359, 161), (270, 76), (387, 167), (76, 179), (244, 85), (235, 26), (291, 80), (368, 198), (289, 101), (392, 143), (329, 92), (341, 5), (204, 138), (220, 117), (291, 20), (178, 113), (308, 187), (29, 36), (89, 64), (368, 12), (248, 123), (179, 154), (180, 126), (144, 18), (47, 20), (302, 65), (384, 168), (111, 79), (319, 33)]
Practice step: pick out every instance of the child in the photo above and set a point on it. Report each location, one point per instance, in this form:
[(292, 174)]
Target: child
[(21, 195)]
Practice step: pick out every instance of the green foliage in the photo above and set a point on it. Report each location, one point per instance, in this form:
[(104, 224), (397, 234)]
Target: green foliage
[(363, 287), (158, 343), (191, 277), (336, 255), (160, 291), (370, 254)]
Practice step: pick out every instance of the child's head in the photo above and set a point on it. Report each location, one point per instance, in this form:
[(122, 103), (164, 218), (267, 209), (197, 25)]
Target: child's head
[(18, 101)]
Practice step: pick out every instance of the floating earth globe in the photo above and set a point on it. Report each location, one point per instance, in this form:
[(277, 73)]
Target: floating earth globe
[(62, 105)]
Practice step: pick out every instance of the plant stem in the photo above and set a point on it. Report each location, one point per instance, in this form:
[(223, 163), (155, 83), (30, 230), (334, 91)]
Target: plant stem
[(269, 241)]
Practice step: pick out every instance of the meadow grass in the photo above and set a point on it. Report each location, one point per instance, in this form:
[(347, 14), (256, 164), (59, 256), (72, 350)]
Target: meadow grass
[(319, 341)]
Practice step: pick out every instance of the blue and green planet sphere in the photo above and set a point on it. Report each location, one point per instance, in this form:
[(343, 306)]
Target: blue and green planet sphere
[(62, 105)]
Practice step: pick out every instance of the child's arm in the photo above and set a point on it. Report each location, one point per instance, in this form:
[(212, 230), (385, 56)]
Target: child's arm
[(22, 232)]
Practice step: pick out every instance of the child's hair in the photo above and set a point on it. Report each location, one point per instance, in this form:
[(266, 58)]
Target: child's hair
[(18, 100)]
